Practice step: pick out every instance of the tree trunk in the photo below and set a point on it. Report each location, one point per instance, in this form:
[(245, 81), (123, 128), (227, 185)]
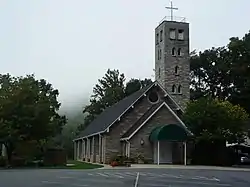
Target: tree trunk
[(9, 150)]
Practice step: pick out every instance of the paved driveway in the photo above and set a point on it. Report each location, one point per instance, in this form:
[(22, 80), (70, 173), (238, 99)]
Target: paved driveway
[(123, 178)]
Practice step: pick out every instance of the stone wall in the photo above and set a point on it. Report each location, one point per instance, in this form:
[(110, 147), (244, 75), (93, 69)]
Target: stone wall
[(96, 149), (163, 116), (113, 144), (165, 66)]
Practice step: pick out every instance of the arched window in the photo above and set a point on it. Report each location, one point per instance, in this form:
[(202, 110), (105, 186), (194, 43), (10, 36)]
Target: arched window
[(179, 52), (173, 51), (174, 89), (176, 70), (179, 89)]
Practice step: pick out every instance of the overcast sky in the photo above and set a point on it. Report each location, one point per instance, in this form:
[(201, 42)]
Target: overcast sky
[(72, 43)]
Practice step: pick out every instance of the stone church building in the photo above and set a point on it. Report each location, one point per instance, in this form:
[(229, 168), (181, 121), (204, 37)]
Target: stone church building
[(148, 122)]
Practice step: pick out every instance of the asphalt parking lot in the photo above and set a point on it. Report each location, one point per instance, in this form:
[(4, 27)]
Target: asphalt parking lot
[(123, 178)]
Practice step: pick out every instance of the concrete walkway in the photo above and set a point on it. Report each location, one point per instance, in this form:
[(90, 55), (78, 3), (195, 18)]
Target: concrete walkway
[(153, 166)]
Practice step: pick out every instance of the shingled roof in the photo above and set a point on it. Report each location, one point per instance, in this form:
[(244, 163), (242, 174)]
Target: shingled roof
[(111, 114)]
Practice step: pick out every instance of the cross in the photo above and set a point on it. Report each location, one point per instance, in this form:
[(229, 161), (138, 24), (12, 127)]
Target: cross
[(171, 8)]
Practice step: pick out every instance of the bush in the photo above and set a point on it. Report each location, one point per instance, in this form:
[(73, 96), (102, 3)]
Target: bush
[(34, 163), (120, 160), (132, 160), (2, 161), (55, 157), (18, 162), (217, 154), (148, 161)]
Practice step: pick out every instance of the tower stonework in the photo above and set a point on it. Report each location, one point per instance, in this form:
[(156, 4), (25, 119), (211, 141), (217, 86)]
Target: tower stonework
[(172, 65)]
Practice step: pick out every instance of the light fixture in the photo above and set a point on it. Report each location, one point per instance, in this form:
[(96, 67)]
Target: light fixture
[(142, 142)]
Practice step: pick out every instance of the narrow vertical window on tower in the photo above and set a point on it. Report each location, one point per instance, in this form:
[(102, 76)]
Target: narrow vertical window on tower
[(179, 52), (157, 38), (172, 34), (180, 34), (179, 89), (173, 89), (159, 72), (160, 54), (161, 32), (173, 51), (176, 70)]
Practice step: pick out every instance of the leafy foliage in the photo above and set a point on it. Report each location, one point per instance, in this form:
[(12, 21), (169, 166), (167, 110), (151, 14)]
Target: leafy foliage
[(110, 90), (134, 85), (223, 72), (28, 110), (213, 119)]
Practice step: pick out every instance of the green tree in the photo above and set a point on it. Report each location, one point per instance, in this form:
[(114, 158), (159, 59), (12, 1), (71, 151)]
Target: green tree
[(209, 74), (28, 111), (223, 72), (134, 85), (110, 90), (240, 70), (212, 119)]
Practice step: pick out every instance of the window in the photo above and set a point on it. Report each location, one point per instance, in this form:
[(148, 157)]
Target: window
[(159, 72), (179, 52), (179, 89), (174, 89), (180, 34), (153, 97), (158, 54), (172, 34), (161, 32), (173, 51), (176, 70), (157, 38)]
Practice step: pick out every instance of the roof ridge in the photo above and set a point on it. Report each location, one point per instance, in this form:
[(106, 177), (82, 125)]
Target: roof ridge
[(103, 120)]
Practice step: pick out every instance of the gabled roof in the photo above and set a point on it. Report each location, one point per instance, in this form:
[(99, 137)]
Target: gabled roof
[(110, 115), (113, 113), (141, 120), (132, 131)]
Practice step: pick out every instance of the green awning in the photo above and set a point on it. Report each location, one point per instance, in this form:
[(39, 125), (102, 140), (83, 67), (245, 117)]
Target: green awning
[(171, 132)]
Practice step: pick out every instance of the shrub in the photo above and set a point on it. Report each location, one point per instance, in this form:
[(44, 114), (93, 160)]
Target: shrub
[(148, 161), (120, 160), (2, 161), (55, 157), (18, 162), (132, 160), (34, 163), (114, 163)]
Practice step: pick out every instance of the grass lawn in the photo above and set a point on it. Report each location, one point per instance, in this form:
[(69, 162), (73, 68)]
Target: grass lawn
[(76, 165)]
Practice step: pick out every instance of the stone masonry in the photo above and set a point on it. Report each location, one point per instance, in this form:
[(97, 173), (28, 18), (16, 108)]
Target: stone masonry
[(172, 68), (113, 145), (163, 116), (166, 62)]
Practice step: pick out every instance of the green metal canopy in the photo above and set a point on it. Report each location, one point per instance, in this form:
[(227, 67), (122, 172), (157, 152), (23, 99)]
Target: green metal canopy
[(171, 132)]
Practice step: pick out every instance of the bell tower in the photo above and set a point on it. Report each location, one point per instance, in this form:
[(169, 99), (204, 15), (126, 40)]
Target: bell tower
[(172, 66)]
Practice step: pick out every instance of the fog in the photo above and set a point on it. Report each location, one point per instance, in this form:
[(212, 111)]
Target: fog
[(72, 43)]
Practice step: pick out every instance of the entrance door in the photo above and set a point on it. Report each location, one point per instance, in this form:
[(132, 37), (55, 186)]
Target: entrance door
[(166, 152)]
